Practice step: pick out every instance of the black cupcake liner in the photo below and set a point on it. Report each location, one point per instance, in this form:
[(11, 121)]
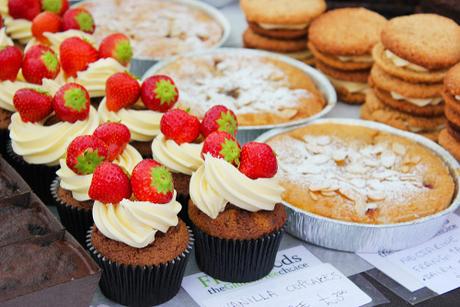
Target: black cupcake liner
[(134, 285), (76, 220), (38, 176), (183, 213), (4, 139), (236, 260)]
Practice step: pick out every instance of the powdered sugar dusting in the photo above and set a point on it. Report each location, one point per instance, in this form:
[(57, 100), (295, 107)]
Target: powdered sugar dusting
[(362, 174), (245, 84), (157, 28)]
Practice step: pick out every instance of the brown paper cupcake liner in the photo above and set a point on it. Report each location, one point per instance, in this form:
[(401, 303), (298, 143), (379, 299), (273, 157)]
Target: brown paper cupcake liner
[(76, 220), (134, 285), (38, 176), (236, 260)]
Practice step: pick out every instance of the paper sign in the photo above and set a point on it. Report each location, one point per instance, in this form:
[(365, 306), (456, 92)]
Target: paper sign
[(202, 287), (434, 264), (318, 286)]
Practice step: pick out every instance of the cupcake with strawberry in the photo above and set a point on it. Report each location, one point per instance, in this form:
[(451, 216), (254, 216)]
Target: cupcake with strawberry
[(137, 239), (236, 206), (180, 143), (140, 106), (70, 190), (48, 118)]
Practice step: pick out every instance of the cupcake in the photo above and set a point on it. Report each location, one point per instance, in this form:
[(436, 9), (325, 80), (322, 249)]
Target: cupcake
[(179, 144), (70, 189), (42, 129), (236, 212), (138, 241), (138, 106)]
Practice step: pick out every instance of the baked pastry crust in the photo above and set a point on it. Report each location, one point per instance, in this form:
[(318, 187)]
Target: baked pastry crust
[(370, 176), (199, 76)]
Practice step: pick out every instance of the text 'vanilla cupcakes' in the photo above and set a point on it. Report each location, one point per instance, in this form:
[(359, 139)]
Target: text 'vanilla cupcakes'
[(70, 190), (138, 105), (411, 61), (341, 42), (281, 26), (449, 138), (137, 239), (236, 209)]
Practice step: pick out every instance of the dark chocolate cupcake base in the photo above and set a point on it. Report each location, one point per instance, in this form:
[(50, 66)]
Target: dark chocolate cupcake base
[(38, 176), (76, 220), (236, 260), (133, 285)]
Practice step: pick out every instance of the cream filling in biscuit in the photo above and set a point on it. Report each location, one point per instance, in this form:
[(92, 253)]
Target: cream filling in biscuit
[(418, 129), (269, 26), (356, 58), (352, 87), (400, 62), (420, 102), (301, 55), (457, 97)]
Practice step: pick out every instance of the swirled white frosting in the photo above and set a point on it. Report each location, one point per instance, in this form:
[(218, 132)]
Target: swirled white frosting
[(4, 7), (184, 158), (19, 29), (400, 62), (5, 40), (420, 102), (79, 184), (96, 75), (40, 144), (144, 125), (135, 223), (218, 182)]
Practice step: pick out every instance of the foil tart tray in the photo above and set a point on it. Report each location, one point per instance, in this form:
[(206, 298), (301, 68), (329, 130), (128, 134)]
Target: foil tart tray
[(370, 238), (249, 133)]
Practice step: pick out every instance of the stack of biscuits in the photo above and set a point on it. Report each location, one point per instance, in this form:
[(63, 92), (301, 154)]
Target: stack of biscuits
[(341, 41), (281, 26), (449, 138), (387, 8), (411, 61)]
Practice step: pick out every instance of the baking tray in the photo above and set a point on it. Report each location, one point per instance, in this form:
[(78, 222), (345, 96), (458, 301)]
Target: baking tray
[(249, 133), (139, 65), (370, 238)]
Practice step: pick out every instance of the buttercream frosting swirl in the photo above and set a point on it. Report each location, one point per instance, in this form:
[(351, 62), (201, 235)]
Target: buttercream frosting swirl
[(218, 182), (144, 125), (5, 40), (40, 144), (135, 223), (19, 29), (79, 184), (420, 102), (400, 62), (184, 158), (96, 75)]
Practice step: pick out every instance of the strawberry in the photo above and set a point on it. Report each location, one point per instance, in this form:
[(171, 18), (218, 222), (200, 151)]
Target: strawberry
[(121, 90), (110, 184), (85, 153), (257, 160), (180, 126), (116, 46), (10, 63), (71, 103), (24, 9), (40, 62), (223, 145), (116, 136), (32, 105), (78, 19), (76, 54), (219, 118), (159, 93), (55, 6), (152, 182), (46, 22)]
